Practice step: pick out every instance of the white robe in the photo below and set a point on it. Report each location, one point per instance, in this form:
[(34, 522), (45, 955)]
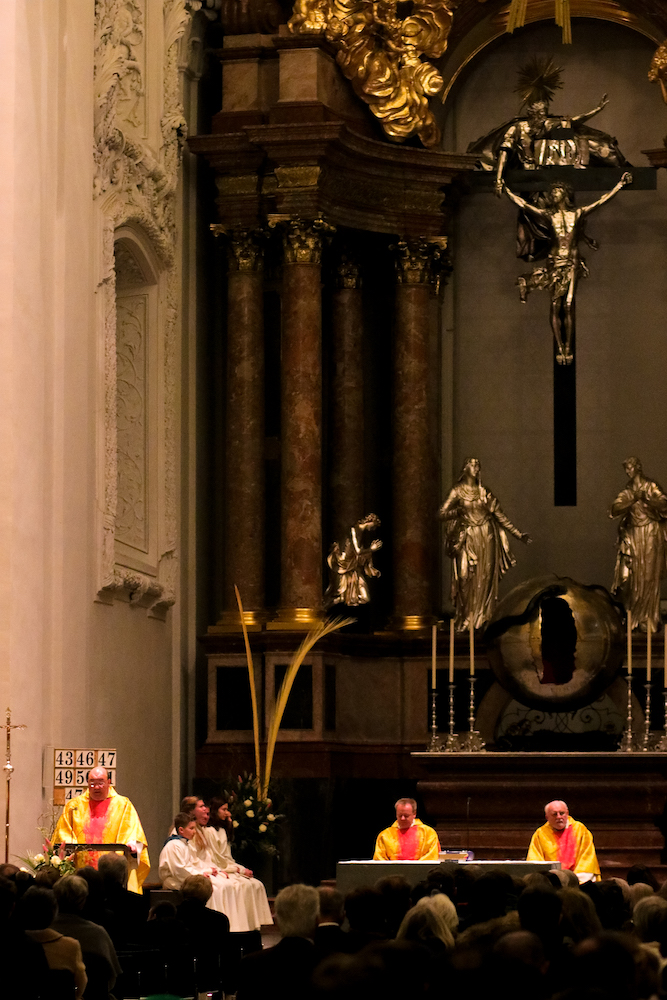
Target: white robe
[(241, 899)]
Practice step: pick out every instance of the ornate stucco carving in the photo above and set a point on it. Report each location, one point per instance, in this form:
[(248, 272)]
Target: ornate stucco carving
[(385, 54), (135, 184), (131, 421)]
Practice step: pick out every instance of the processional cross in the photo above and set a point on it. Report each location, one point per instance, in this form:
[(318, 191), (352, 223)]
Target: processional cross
[(8, 769)]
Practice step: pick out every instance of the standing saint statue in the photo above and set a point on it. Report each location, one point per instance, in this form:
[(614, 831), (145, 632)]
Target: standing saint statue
[(476, 541), (642, 546), (564, 264), (352, 565)]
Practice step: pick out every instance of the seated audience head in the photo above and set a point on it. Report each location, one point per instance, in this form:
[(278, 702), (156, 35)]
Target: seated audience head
[(114, 868), (197, 887), (640, 890), (395, 891), (332, 905), (567, 879), (610, 904), (609, 965), (8, 870), (517, 967), (71, 893), (490, 894), (539, 911), (185, 825), (650, 919), (365, 911), (425, 923), (641, 873), (406, 812), (37, 909), (162, 912), (579, 919), (94, 880), (47, 877), (443, 905), (296, 909), (7, 899)]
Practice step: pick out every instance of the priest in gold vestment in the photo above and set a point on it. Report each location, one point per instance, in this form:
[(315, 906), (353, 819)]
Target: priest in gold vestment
[(408, 839), (101, 816), (566, 840)]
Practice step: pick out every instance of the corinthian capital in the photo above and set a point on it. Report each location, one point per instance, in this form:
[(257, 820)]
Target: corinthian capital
[(422, 261), (244, 249), (303, 240), (347, 272)]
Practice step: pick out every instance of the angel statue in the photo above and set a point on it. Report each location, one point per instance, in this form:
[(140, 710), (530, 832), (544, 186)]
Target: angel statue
[(642, 546), (476, 541), (352, 566)]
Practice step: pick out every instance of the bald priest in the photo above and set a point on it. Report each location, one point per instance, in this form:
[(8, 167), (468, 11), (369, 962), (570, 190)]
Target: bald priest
[(408, 839), (566, 840)]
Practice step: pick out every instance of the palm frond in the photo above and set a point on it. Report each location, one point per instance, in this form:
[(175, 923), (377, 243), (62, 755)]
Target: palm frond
[(314, 636), (253, 690)]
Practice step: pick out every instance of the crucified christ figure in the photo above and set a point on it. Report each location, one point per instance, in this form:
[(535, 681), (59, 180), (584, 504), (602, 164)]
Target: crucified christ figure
[(564, 264)]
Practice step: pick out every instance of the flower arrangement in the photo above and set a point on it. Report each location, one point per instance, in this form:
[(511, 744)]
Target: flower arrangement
[(50, 858), (255, 825)]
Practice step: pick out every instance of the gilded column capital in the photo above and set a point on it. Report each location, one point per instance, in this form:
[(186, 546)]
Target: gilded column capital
[(348, 274), (244, 247), (303, 240), (422, 261)]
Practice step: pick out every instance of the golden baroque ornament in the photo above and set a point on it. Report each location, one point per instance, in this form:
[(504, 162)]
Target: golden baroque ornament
[(385, 56)]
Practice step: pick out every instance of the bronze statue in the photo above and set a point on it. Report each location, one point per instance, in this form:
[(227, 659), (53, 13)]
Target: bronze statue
[(350, 567), (537, 138), (476, 541), (564, 264), (642, 546)]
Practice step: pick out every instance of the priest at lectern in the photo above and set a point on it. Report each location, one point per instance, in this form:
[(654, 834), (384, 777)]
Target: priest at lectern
[(102, 816), (408, 839), (566, 840)]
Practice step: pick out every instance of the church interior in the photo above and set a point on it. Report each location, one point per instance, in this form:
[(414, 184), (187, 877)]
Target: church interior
[(255, 288)]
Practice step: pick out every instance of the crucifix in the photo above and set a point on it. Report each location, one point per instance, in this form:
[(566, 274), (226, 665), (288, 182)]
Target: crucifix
[(8, 768), (548, 155)]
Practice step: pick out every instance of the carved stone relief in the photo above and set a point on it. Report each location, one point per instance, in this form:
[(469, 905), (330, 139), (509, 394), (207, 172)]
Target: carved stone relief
[(135, 186)]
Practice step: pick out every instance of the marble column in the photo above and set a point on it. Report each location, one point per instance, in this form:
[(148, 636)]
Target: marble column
[(301, 427), (415, 530), (346, 487), (244, 453)]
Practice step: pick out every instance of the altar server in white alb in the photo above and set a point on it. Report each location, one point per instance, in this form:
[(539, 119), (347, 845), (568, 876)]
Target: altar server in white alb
[(180, 858)]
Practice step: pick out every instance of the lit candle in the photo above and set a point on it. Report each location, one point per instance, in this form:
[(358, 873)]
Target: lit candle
[(648, 652), (451, 654), (472, 650), (629, 642), (434, 641)]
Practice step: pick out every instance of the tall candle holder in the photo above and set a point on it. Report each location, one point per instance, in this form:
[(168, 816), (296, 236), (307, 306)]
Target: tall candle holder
[(627, 744), (452, 741), (434, 743), (661, 745), (647, 717), (472, 742)]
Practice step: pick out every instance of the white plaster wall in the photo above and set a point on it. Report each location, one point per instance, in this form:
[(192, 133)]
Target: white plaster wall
[(73, 671), (501, 369)]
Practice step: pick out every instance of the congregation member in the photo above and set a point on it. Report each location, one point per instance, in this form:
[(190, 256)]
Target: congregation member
[(285, 969), (566, 840), (330, 938), (249, 906), (99, 954), (38, 911), (18, 950), (129, 910), (407, 839), (101, 816)]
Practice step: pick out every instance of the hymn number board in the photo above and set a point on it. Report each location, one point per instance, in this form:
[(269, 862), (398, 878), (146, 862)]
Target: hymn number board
[(72, 767)]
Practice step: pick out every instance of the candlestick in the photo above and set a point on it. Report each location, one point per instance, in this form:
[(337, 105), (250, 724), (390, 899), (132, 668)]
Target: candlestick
[(648, 652), (451, 653), (452, 743), (434, 646), (627, 740), (629, 627), (472, 742), (434, 743), (472, 649), (647, 716)]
